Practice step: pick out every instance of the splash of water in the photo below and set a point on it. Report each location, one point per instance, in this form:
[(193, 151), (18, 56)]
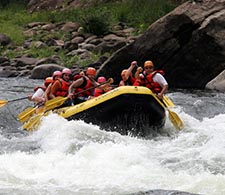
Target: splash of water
[(78, 158)]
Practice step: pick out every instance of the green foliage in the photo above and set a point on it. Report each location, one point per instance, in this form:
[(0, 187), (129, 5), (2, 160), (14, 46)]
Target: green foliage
[(69, 61), (9, 26), (13, 31), (97, 19), (9, 53), (140, 14), (41, 52)]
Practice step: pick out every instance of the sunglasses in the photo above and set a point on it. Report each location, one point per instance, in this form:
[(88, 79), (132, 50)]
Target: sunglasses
[(149, 67)]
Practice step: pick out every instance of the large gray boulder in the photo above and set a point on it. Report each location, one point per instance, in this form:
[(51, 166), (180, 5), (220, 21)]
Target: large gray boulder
[(218, 83), (44, 70), (188, 44), (4, 40)]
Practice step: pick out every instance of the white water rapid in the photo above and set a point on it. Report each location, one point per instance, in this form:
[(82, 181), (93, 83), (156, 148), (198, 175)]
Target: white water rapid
[(75, 158)]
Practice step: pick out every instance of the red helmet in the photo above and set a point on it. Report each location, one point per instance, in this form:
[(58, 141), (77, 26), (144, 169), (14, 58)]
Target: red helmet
[(91, 71), (56, 73), (48, 80), (66, 71), (101, 79)]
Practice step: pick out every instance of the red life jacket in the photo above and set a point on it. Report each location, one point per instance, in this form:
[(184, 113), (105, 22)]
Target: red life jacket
[(85, 85), (64, 88), (129, 82), (98, 92), (42, 87), (77, 76), (148, 82)]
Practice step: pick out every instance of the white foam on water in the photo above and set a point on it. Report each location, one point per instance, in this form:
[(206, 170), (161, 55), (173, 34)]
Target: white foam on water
[(78, 158)]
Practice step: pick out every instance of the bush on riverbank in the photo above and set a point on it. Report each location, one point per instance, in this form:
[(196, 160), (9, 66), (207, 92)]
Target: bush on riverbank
[(98, 19)]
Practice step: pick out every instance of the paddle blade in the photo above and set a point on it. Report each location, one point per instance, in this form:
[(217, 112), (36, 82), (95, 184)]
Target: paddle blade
[(168, 102), (175, 119), (40, 110), (33, 123), (26, 114), (54, 103), (3, 103)]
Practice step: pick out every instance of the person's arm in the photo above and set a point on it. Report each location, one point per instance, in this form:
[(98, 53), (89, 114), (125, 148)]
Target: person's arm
[(55, 87), (163, 83), (47, 92), (94, 83), (130, 69), (121, 83), (163, 91), (137, 73), (38, 96), (74, 84), (103, 86)]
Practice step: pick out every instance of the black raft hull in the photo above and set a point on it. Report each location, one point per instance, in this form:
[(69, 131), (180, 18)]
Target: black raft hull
[(128, 110)]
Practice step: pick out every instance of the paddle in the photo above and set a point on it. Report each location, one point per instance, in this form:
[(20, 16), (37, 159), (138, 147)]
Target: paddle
[(175, 119), (168, 102), (26, 114), (173, 116), (34, 122), (30, 111), (49, 105), (4, 102)]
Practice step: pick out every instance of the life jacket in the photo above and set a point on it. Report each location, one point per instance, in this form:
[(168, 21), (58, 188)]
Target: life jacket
[(76, 76), (148, 82), (47, 82), (85, 85), (63, 91), (42, 87), (98, 92), (129, 82)]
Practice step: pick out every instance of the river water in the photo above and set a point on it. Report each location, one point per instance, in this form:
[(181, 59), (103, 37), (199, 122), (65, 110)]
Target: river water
[(74, 158)]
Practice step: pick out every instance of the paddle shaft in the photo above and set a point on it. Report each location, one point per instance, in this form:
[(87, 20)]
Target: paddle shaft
[(4, 102), (90, 88), (18, 99)]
